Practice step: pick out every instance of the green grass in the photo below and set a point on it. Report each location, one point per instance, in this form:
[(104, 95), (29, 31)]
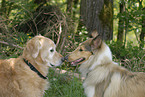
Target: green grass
[(63, 85)]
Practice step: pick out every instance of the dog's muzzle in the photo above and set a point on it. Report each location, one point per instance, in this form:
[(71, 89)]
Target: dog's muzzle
[(66, 58), (63, 59)]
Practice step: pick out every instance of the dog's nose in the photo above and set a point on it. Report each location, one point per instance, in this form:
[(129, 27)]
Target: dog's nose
[(63, 59), (66, 57)]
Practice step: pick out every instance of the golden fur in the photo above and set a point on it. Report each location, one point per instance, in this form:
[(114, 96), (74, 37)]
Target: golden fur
[(103, 77), (18, 80)]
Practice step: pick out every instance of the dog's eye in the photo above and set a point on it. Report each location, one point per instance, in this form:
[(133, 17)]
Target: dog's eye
[(52, 50), (80, 49)]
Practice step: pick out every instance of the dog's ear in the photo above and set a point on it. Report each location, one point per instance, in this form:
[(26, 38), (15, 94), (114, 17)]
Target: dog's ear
[(96, 42), (34, 46), (93, 33)]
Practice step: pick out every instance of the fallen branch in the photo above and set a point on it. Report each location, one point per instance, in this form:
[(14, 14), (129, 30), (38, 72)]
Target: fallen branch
[(6, 43)]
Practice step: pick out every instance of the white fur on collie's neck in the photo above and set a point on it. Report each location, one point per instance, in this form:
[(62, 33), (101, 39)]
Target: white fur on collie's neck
[(101, 56)]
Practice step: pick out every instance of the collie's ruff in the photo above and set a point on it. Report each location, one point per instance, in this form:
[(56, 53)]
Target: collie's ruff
[(25, 76), (103, 77)]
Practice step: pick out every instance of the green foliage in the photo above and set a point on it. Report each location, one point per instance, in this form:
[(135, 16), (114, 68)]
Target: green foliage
[(21, 38), (131, 57), (83, 34), (131, 17), (12, 52), (8, 52), (129, 51)]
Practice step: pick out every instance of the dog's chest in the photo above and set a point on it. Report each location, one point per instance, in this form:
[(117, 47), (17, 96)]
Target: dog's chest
[(90, 91), (93, 78)]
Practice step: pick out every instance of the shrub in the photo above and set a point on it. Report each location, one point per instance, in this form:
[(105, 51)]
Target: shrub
[(132, 57)]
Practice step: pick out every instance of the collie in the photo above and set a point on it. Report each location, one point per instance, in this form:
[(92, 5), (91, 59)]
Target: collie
[(103, 77)]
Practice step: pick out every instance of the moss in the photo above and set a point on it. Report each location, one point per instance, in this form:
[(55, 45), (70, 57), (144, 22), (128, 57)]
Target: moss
[(106, 14)]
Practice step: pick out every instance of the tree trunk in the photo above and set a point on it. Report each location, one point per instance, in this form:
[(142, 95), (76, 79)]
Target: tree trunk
[(121, 23), (98, 15), (69, 7), (3, 8), (142, 35), (75, 6), (72, 10)]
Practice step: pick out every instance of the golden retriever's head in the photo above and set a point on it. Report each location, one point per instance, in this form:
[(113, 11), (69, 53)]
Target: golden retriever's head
[(84, 51), (43, 50)]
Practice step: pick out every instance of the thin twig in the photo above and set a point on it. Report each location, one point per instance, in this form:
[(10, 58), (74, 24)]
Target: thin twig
[(60, 30)]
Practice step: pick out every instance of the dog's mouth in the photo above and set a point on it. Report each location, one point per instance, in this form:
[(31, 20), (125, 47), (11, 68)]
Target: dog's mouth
[(51, 64), (74, 63)]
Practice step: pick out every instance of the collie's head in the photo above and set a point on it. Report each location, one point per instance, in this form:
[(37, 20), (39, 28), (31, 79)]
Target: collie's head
[(91, 52)]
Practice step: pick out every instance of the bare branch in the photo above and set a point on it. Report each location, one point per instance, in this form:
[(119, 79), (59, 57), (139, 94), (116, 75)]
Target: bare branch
[(60, 30), (6, 43)]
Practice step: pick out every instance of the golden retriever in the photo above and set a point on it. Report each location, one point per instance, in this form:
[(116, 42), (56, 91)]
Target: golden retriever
[(103, 77), (25, 76)]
